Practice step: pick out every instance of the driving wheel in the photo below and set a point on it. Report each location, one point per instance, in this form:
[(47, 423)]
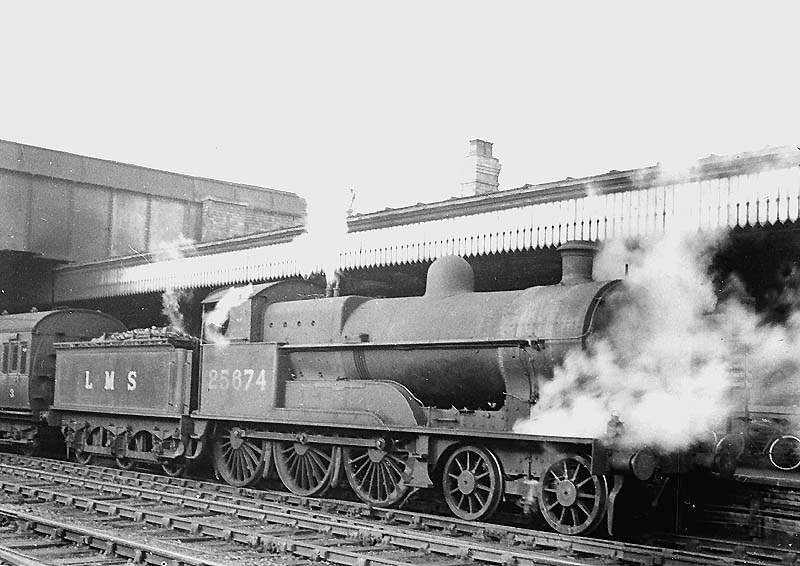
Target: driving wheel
[(375, 475), (239, 460), (573, 500), (307, 469), (473, 483)]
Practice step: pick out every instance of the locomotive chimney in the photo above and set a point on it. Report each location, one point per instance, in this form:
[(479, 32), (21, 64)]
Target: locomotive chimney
[(577, 261)]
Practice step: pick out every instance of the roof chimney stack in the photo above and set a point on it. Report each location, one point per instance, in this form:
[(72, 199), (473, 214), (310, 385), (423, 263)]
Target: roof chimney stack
[(482, 170)]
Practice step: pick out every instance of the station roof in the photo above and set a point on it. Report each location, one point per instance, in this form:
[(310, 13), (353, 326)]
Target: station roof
[(747, 189)]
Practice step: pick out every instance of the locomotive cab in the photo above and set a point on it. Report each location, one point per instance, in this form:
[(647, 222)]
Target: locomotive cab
[(235, 313)]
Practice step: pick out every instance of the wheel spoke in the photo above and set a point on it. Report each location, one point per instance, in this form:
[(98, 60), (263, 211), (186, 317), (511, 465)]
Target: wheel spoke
[(361, 468), (575, 475)]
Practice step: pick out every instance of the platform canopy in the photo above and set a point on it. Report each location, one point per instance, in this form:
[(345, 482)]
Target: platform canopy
[(750, 189)]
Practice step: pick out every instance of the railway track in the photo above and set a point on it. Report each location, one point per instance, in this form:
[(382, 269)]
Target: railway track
[(177, 521), (750, 511)]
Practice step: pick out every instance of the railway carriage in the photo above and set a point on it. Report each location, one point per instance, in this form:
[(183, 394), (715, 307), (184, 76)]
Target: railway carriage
[(27, 367)]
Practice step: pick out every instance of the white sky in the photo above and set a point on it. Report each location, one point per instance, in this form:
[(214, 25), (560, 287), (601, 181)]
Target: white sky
[(319, 97)]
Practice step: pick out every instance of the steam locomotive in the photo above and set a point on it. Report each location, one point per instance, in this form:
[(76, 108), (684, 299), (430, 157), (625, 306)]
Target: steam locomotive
[(399, 394)]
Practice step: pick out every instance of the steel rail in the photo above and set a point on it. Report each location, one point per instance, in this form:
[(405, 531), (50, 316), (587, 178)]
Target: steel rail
[(9, 556), (467, 551), (241, 502), (408, 541), (764, 554), (100, 541)]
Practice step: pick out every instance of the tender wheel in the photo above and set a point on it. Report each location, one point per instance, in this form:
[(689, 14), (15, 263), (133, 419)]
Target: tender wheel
[(473, 483), (173, 468), (375, 475), (238, 460), (98, 437), (573, 501), (307, 469), (124, 463), (142, 441)]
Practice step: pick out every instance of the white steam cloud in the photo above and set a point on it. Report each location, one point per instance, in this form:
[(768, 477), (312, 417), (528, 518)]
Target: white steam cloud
[(326, 235), (670, 358), (172, 297), (215, 320)]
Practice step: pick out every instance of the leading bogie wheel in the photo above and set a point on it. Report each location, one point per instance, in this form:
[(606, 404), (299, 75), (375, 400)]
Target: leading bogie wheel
[(307, 470), (573, 501), (375, 475), (240, 460), (473, 483)]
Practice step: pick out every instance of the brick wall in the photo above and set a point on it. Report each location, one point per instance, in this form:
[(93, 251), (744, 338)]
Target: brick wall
[(222, 219)]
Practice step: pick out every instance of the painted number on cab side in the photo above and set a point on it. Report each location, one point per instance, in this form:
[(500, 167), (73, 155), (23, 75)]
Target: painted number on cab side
[(238, 380)]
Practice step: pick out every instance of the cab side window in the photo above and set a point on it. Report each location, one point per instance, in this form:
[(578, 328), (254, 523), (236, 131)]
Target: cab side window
[(6, 356)]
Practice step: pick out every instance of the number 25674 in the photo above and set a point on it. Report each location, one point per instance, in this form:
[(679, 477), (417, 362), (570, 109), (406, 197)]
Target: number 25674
[(238, 380)]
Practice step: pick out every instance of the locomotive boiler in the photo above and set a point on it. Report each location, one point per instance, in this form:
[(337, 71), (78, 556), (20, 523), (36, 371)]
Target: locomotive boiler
[(451, 347)]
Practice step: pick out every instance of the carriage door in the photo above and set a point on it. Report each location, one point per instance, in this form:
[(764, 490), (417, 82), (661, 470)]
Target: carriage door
[(14, 365)]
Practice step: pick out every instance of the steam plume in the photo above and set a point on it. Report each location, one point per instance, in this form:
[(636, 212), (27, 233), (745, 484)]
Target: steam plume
[(172, 297), (669, 360), (215, 319), (326, 235)]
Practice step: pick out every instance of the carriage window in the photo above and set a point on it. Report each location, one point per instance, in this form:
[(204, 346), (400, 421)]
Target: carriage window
[(23, 357), (5, 357), (14, 363)]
